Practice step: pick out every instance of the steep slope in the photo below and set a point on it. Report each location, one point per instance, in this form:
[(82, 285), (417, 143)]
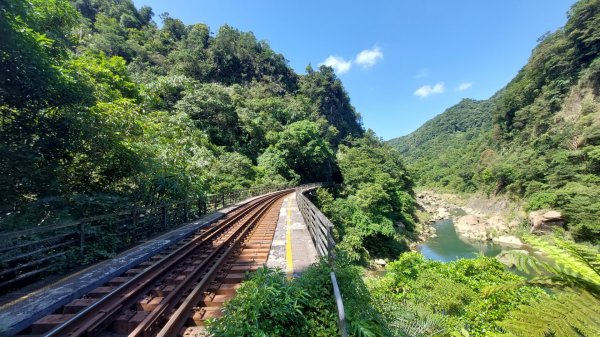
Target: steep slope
[(543, 144), (444, 145), (101, 108), (467, 116)]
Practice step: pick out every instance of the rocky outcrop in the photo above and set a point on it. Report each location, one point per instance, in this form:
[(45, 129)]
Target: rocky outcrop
[(380, 262), (471, 227), (434, 205), (486, 218), (496, 225), (441, 213), (543, 221), (474, 227)]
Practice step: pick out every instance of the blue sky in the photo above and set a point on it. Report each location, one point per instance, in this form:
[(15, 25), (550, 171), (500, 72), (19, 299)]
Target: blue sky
[(402, 62)]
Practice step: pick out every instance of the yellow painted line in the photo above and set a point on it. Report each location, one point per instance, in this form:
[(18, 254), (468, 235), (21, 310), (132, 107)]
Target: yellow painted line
[(288, 243)]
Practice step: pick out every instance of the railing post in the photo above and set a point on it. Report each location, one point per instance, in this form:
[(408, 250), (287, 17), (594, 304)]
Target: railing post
[(330, 246), (134, 218), (164, 215), (81, 237), (185, 211)]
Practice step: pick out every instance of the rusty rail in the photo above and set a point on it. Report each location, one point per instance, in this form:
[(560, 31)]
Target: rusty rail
[(207, 246), (320, 229), (87, 240), (179, 318)]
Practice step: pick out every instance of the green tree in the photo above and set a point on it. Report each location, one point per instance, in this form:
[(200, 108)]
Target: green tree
[(332, 101), (211, 106), (304, 150)]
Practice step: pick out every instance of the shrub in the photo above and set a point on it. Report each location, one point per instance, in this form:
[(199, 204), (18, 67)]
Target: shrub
[(540, 200), (265, 305)]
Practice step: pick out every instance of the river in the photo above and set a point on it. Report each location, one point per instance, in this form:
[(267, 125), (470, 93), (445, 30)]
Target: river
[(447, 246)]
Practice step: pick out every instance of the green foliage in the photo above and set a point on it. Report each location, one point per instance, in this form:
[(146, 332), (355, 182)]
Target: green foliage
[(211, 106), (567, 314), (541, 200), (573, 266), (332, 101), (239, 58), (372, 210), (446, 297), (573, 312), (304, 150), (444, 152), (535, 139), (98, 101), (265, 305), (35, 38), (106, 78)]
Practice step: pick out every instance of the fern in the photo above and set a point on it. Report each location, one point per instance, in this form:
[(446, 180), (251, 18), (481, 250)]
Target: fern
[(568, 314), (417, 327), (578, 259), (574, 312), (366, 328), (574, 266), (416, 322)]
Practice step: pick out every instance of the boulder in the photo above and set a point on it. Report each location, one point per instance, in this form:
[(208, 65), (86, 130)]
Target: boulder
[(508, 240), (544, 220), (442, 213), (467, 221), (380, 262), (471, 227), (497, 224)]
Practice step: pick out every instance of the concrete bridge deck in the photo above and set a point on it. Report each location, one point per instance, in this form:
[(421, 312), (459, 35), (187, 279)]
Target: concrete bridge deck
[(293, 250)]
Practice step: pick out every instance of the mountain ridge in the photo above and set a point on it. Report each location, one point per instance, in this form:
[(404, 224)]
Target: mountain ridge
[(541, 142)]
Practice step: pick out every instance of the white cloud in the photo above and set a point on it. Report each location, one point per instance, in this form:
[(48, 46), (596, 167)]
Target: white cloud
[(337, 63), (427, 90), (464, 86), (368, 57), (422, 73)]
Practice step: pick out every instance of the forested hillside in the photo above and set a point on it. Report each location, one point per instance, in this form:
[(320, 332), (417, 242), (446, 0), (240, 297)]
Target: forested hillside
[(542, 141), (102, 107), (456, 133)]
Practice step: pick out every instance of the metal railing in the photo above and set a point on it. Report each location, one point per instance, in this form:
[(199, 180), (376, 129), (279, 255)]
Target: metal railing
[(29, 254), (318, 225), (320, 229)]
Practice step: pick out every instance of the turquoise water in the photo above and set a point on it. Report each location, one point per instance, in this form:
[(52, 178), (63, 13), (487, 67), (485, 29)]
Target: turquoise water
[(447, 246)]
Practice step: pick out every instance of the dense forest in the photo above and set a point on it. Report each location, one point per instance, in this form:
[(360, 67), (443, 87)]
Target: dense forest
[(103, 108), (537, 139)]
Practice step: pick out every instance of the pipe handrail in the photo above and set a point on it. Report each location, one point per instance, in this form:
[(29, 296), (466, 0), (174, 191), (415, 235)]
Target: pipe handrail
[(320, 229)]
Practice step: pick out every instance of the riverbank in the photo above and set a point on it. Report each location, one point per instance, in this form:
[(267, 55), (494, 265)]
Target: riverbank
[(476, 218)]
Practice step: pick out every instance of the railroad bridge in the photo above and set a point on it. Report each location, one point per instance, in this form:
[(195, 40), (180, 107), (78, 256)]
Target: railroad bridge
[(168, 284)]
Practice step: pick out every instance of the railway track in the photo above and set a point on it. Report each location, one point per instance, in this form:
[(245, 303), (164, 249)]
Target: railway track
[(177, 290)]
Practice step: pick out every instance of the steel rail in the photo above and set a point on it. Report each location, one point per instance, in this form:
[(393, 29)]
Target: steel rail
[(95, 318), (150, 323)]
